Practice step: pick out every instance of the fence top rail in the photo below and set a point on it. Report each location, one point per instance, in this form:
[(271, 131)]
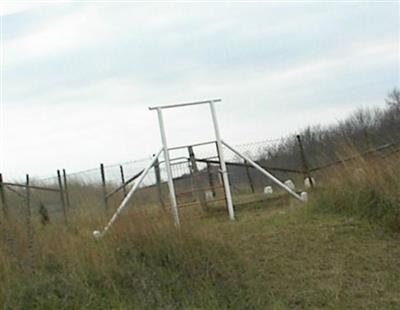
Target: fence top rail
[(184, 104), (31, 186), (16, 192)]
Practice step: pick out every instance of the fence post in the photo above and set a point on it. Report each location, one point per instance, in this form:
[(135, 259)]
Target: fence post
[(29, 227), (121, 169), (211, 180), (3, 197), (306, 170), (60, 186), (7, 234), (28, 197), (249, 176), (158, 182), (195, 172), (103, 186), (66, 189)]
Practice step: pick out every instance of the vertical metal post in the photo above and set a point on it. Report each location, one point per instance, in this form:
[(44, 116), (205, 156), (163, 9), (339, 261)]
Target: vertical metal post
[(196, 181), (61, 194), (66, 188), (29, 227), (171, 187), (103, 186), (249, 176), (28, 198), (121, 169), (3, 197), (7, 235), (223, 164), (306, 170), (158, 182)]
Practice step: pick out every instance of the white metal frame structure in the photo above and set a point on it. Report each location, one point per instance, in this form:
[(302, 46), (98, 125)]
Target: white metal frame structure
[(165, 150), (224, 171)]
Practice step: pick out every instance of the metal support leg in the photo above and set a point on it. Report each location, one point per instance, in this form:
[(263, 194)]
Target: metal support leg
[(171, 187), (224, 171)]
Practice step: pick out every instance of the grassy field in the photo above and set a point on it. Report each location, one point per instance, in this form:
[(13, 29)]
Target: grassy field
[(272, 257), (339, 251)]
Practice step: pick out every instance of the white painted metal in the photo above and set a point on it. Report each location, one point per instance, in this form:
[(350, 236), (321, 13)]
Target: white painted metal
[(219, 146), (193, 145), (224, 171), (184, 104), (263, 171), (171, 187), (268, 190), (308, 181), (209, 195), (98, 234), (289, 183), (304, 195), (182, 158)]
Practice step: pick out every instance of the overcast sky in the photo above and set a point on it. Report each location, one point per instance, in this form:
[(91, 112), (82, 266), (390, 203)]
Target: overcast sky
[(77, 78)]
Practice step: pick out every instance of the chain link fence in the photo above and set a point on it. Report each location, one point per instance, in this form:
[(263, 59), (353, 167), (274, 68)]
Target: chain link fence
[(196, 172)]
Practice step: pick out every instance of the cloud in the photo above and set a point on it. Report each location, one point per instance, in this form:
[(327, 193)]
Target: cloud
[(73, 137), (73, 31), (13, 7), (81, 80)]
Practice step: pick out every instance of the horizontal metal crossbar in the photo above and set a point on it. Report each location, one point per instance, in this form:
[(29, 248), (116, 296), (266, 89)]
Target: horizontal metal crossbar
[(173, 159), (31, 186), (202, 160), (186, 146), (184, 104), (16, 192), (199, 190), (189, 204)]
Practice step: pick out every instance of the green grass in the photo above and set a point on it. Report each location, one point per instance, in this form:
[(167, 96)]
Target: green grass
[(273, 257)]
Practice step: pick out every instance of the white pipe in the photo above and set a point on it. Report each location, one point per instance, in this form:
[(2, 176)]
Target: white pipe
[(263, 171), (174, 159), (222, 162), (185, 146), (124, 202), (172, 195), (184, 104)]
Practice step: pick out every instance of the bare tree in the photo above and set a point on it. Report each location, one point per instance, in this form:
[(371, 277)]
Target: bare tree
[(393, 98)]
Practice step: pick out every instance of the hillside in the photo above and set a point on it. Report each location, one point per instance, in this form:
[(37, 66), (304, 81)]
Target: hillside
[(340, 250), (273, 256)]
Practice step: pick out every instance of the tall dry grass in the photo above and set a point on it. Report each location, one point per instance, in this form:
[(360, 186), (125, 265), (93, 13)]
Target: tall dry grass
[(366, 187), (143, 262)]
